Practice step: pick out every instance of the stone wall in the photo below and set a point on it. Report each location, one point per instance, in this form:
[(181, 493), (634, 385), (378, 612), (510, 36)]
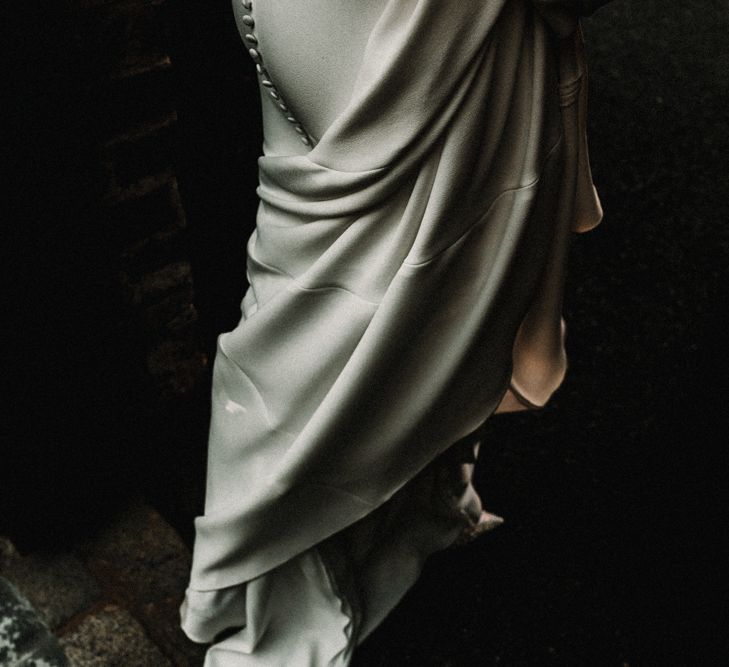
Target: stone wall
[(103, 336), (110, 600), (141, 201)]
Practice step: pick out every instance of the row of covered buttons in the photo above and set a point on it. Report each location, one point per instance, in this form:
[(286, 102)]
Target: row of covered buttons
[(252, 41)]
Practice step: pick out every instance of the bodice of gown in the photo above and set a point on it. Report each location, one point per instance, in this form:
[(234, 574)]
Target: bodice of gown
[(313, 63)]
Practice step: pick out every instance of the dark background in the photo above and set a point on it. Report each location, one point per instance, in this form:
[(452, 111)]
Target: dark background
[(615, 495)]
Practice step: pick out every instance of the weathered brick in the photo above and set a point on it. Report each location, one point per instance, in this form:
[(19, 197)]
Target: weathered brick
[(155, 251), (140, 90), (113, 30), (139, 188), (134, 218), (153, 286), (144, 150), (173, 316), (176, 366), (137, 25)]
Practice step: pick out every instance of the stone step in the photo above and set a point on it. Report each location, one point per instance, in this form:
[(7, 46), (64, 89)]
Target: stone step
[(112, 599)]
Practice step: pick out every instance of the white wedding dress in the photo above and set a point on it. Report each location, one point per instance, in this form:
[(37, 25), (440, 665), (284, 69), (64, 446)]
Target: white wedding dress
[(424, 163)]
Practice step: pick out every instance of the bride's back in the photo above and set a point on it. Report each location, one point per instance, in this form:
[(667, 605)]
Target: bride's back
[(312, 51)]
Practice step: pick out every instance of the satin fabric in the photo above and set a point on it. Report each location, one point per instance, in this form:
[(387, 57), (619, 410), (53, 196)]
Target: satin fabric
[(406, 282)]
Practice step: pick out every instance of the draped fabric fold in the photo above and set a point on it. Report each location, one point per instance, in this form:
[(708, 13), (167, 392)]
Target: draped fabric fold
[(405, 282)]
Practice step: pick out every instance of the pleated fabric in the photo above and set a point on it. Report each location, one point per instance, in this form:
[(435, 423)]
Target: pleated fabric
[(406, 281)]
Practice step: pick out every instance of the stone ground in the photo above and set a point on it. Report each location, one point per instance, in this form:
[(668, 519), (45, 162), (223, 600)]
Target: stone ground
[(107, 601)]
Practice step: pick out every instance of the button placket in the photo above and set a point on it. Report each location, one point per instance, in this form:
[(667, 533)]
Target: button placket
[(252, 43)]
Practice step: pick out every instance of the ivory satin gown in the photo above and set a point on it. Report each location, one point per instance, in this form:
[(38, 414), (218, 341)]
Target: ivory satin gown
[(424, 163)]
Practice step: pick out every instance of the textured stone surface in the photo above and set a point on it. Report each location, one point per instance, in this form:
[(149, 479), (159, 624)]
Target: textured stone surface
[(156, 284), (176, 366), (134, 219), (25, 640), (111, 638), (142, 151), (123, 589), (58, 585), (140, 558)]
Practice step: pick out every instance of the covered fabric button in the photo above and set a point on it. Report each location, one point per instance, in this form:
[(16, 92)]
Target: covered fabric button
[(248, 20)]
